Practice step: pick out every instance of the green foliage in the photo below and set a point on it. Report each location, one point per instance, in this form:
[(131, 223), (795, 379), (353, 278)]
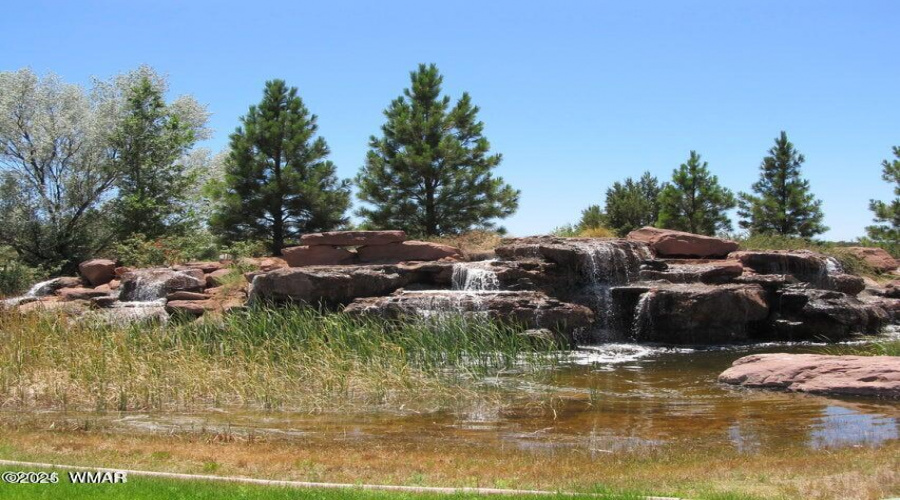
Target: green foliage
[(278, 182), (431, 171), (140, 251), (592, 217), (249, 248), (149, 142), (768, 241), (694, 201), (633, 204), (565, 231), (783, 203), (15, 276), (886, 230)]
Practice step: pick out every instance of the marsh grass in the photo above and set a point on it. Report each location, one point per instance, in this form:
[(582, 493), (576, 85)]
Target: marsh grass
[(285, 358)]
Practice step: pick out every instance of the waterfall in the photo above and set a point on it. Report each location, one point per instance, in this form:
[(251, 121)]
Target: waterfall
[(643, 318), (37, 291), (605, 264), (474, 277)]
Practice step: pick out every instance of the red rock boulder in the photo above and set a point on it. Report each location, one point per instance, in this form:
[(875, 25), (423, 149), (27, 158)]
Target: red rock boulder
[(877, 258), (852, 375), (407, 251), (98, 271), (317, 255), (669, 243), (353, 238)]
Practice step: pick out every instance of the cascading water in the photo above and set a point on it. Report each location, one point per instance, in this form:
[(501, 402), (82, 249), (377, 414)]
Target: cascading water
[(605, 264), (643, 319), (37, 291), (474, 277)]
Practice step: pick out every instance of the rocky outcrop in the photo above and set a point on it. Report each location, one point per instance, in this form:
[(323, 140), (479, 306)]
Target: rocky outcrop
[(98, 271), (526, 309), (81, 293), (669, 243), (876, 258), (847, 375), (327, 285), (353, 238), (317, 255), (216, 278), (800, 312), (710, 272), (156, 283), (691, 314), (807, 266), (407, 251)]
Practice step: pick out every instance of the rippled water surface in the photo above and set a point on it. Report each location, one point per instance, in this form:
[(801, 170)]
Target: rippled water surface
[(604, 399)]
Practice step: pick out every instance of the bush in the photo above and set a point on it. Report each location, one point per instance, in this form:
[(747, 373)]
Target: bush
[(139, 251), (15, 276)]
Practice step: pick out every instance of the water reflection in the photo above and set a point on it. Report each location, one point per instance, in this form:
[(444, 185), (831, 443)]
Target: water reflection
[(607, 399)]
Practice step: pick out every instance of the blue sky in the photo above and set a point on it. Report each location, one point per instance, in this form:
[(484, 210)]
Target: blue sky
[(576, 95)]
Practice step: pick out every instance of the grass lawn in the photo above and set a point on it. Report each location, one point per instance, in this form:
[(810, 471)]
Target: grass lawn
[(147, 488)]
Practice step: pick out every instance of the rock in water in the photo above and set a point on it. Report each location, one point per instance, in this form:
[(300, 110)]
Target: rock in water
[(850, 375), (143, 285), (98, 271), (690, 314), (669, 243), (353, 238), (802, 313), (526, 309)]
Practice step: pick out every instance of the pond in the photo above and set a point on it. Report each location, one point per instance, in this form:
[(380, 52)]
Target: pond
[(605, 399)]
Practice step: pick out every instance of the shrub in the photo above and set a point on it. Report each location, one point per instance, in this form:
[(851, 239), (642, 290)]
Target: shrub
[(139, 251)]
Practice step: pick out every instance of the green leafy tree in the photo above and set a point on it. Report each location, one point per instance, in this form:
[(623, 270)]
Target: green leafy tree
[(782, 203), (430, 173), (633, 204), (886, 229), (278, 183), (592, 217), (150, 144), (694, 201)]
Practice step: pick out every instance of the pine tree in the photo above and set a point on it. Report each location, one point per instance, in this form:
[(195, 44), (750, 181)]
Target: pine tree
[(149, 144), (783, 203), (430, 172), (887, 215), (694, 201), (278, 182), (633, 204)]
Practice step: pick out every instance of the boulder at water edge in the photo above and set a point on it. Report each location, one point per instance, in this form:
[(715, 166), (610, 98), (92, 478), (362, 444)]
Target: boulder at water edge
[(156, 283), (669, 243), (98, 271), (850, 375), (526, 309)]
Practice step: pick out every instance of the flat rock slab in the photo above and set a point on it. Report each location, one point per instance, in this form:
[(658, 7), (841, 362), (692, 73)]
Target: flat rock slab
[(406, 251), (353, 238), (821, 374), (316, 255), (669, 243)]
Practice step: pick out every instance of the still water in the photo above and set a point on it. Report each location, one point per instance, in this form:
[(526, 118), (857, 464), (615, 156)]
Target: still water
[(605, 399)]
